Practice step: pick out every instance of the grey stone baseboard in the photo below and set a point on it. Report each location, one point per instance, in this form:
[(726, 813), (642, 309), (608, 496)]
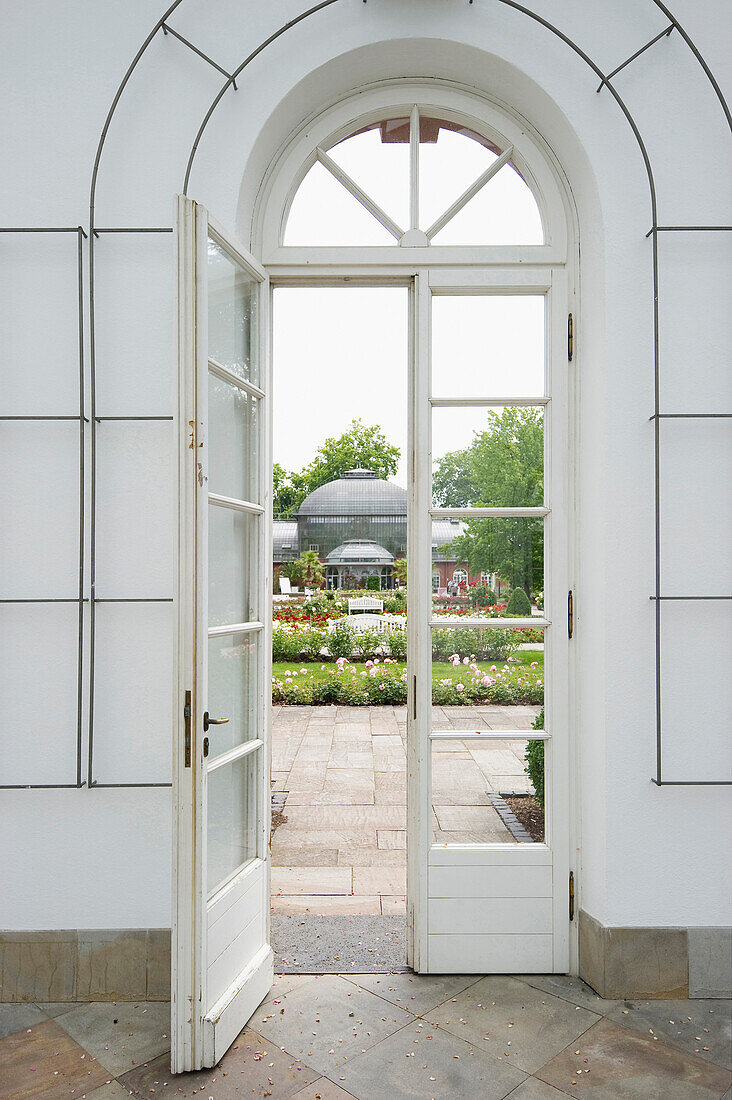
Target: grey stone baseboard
[(655, 963), (131, 964)]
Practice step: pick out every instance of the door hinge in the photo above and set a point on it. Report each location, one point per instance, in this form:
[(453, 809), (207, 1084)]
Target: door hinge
[(570, 336), (187, 718), (570, 614), (571, 895)]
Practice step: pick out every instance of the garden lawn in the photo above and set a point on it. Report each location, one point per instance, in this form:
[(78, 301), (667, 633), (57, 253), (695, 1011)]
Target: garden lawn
[(441, 670)]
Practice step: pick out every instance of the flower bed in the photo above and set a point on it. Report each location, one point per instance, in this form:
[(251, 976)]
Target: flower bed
[(384, 681)]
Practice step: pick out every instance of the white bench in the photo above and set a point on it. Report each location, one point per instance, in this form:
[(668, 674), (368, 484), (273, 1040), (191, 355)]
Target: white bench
[(365, 603)]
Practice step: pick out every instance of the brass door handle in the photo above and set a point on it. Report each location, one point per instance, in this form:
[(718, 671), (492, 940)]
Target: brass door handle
[(212, 721)]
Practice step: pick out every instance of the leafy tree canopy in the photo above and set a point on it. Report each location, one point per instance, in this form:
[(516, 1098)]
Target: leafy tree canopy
[(361, 446), (502, 468)]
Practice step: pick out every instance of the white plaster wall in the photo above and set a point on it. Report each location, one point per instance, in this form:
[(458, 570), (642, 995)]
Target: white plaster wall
[(101, 858)]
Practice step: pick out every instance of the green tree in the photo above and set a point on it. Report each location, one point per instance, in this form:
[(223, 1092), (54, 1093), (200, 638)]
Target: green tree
[(400, 570), (289, 489), (502, 468), (361, 446), (307, 570), (452, 480)]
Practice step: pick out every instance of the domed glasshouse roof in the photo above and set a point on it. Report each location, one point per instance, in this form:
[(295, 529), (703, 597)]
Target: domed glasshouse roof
[(357, 493), (360, 550)]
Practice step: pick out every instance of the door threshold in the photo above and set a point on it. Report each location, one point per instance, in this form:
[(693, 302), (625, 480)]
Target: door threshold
[(305, 943)]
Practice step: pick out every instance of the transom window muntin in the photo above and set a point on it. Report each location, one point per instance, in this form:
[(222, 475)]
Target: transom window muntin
[(406, 199)]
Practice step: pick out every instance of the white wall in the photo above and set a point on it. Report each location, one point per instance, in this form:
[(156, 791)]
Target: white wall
[(101, 858)]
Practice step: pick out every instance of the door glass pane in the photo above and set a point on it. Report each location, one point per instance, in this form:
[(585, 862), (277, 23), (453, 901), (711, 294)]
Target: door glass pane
[(489, 345), (488, 568), (233, 663), (232, 566), (233, 421), (232, 817), (489, 457), (232, 315), (481, 792)]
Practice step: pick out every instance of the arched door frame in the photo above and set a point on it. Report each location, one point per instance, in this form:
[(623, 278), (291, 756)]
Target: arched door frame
[(508, 268)]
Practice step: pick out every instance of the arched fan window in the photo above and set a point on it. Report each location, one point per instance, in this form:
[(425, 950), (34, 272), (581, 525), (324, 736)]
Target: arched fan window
[(414, 180)]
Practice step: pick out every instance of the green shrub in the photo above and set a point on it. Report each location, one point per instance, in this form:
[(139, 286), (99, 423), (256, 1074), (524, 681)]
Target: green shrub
[(485, 645), (365, 643), (373, 584), (398, 645), (519, 603), (311, 643), (481, 596), (340, 640), (534, 757), (286, 645)]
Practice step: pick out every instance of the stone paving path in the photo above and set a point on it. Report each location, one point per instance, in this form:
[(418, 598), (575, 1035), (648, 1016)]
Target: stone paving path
[(342, 849), (384, 1037)]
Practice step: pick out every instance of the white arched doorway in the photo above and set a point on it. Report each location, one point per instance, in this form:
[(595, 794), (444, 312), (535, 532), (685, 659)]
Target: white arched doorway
[(486, 264)]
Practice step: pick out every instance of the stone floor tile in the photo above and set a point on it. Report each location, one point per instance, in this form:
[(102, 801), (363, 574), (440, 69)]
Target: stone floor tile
[(111, 1091), (311, 880), (253, 1066), (514, 1021), (347, 817), (47, 1064), (120, 1035), (285, 983), (283, 855), (569, 988), (331, 1023), (356, 796), (323, 1089), (417, 993), (379, 880), (55, 1008), (395, 797), (18, 1016), (327, 905), (407, 1065), (392, 838), (393, 905), (622, 1063), (534, 1089), (372, 857), (288, 836), (691, 1025), (344, 779)]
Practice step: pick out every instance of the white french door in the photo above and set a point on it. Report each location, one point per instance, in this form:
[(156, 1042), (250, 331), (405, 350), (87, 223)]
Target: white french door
[(221, 958), (480, 900)]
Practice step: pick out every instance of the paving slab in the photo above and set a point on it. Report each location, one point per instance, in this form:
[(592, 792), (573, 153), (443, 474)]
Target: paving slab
[(418, 1062), (18, 1016), (326, 1029), (417, 993), (121, 1035), (699, 1027), (47, 1064), (323, 1089), (570, 988), (513, 1021), (624, 1064), (253, 1066)]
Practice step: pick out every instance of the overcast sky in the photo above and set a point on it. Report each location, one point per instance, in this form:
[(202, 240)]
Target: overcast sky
[(341, 353)]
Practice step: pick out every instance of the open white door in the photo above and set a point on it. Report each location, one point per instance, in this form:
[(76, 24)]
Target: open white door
[(490, 349), (221, 958)]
